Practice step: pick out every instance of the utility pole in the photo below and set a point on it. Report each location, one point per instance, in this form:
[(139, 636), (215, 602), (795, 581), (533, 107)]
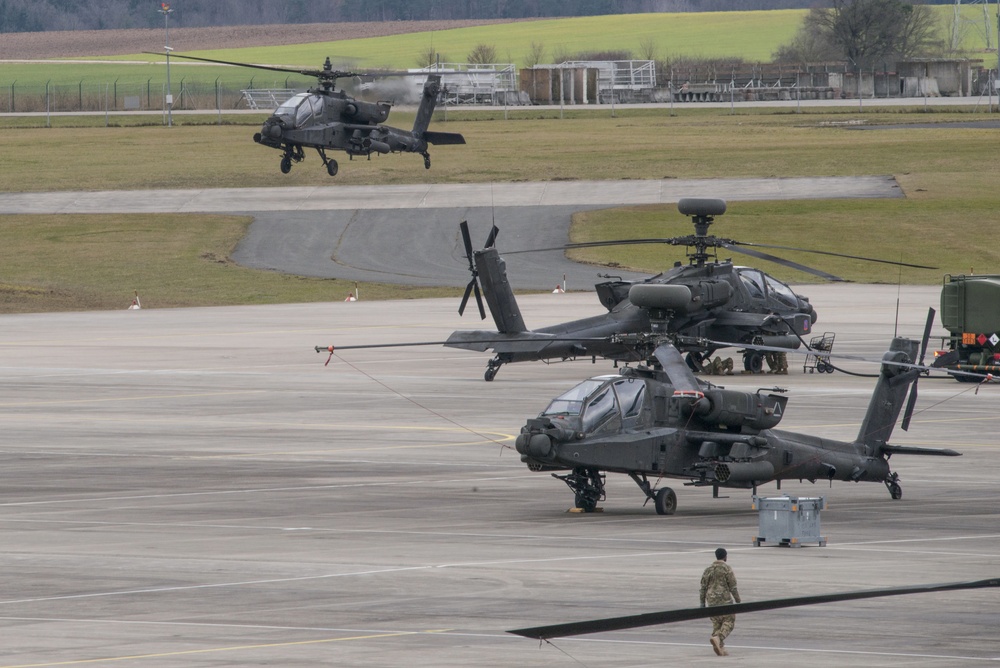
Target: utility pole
[(165, 10)]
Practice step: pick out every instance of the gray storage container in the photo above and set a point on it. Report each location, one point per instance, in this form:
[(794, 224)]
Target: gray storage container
[(789, 520)]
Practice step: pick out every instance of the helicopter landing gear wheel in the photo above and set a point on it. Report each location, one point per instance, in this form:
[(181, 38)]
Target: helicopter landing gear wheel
[(286, 165), (427, 160), (892, 484), (585, 503), (331, 167), (753, 361), (587, 486), (665, 501), (491, 369)]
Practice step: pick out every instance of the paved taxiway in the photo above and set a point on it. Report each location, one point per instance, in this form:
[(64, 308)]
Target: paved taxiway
[(192, 487), (408, 234)]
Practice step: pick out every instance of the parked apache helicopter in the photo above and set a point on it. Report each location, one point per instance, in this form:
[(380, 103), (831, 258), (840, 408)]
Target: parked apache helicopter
[(706, 299), (661, 421), (324, 118)]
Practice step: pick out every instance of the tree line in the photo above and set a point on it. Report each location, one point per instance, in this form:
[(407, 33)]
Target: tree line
[(46, 15)]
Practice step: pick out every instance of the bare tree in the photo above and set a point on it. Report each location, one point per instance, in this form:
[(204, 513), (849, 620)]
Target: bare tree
[(648, 49), (535, 54), (482, 54), (429, 57), (867, 31), (811, 43)]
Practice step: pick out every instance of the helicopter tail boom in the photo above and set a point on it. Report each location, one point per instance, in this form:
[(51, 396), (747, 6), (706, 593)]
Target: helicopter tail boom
[(427, 101), (492, 272), (890, 394)]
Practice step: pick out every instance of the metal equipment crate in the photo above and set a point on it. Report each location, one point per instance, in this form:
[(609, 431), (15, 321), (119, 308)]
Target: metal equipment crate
[(817, 360), (789, 520)]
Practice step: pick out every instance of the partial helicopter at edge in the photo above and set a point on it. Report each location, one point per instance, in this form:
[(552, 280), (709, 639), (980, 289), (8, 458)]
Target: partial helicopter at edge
[(705, 300), (325, 118)]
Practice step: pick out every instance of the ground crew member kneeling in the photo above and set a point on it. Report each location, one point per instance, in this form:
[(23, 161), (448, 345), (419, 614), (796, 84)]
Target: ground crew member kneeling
[(718, 587)]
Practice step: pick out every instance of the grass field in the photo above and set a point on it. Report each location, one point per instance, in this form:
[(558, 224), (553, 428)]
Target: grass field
[(946, 220), (949, 176), (750, 36)]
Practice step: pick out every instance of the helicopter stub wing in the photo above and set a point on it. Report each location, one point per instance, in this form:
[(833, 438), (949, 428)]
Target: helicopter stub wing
[(794, 323)]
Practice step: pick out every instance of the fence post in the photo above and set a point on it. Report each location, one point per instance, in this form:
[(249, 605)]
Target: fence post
[(11, 105)]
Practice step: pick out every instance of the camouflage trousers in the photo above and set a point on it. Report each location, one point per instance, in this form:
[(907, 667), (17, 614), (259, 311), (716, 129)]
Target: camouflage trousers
[(723, 626)]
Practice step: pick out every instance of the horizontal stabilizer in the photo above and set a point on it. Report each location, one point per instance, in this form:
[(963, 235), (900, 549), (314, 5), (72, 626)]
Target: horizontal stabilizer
[(443, 138), (911, 450)]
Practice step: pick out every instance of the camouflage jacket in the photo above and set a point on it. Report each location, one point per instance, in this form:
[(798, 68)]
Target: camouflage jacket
[(718, 585)]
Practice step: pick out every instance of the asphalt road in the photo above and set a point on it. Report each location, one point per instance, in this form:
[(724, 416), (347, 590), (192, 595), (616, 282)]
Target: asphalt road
[(192, 487), (408, 234)]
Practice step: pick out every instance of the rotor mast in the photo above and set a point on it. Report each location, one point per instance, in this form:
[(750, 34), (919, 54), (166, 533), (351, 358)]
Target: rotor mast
[(702, 212)]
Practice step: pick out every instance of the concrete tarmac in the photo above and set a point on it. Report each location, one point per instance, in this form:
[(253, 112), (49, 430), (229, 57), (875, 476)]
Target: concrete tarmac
[(192, 487)]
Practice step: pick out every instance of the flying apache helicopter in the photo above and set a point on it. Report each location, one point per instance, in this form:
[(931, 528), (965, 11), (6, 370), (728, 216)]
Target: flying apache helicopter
[(661, 421), (706, 299), (325, 118)]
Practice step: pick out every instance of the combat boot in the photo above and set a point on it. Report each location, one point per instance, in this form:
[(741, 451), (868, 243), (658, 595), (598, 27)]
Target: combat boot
[(717, 645)]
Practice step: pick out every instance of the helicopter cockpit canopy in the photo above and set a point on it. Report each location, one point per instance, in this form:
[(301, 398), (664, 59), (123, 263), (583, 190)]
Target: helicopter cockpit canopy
[(597, 400), (763, 287), (301, 108)]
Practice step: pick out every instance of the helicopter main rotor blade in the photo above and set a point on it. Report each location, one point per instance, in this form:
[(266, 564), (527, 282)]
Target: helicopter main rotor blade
[(271, 68), (671, 241), (820, 252), (687, 614), (676, 368), (414, 344), (787, 263), (321, 74)]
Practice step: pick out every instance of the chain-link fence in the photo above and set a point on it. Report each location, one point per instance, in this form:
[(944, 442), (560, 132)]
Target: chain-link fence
[(118, 96)]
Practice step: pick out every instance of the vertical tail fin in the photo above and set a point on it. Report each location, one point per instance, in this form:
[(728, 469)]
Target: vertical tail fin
[(890, 394), (492, 271), (427, 101)]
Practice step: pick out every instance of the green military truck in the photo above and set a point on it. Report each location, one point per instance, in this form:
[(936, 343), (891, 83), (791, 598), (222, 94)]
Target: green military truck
[(970, 311)]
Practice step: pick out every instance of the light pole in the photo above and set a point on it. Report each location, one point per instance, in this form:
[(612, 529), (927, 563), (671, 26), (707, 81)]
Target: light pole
[(165, 10)]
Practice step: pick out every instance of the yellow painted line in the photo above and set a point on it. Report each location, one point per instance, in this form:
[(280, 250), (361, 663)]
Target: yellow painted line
[(236, 648)]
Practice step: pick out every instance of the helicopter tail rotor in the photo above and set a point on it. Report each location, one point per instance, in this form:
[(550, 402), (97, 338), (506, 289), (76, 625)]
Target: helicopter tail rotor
[(473, 286), (912, 400)]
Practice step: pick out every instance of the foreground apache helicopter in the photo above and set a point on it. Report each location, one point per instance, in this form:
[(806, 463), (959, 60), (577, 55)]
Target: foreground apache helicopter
[(663, 422), (325, 118), (706, 299)]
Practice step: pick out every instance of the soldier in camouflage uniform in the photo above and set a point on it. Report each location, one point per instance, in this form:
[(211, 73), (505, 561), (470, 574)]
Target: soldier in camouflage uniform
[(718, 587)]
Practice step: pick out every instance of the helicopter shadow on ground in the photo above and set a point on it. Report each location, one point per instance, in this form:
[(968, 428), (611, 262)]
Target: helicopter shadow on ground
[(426, 249)]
